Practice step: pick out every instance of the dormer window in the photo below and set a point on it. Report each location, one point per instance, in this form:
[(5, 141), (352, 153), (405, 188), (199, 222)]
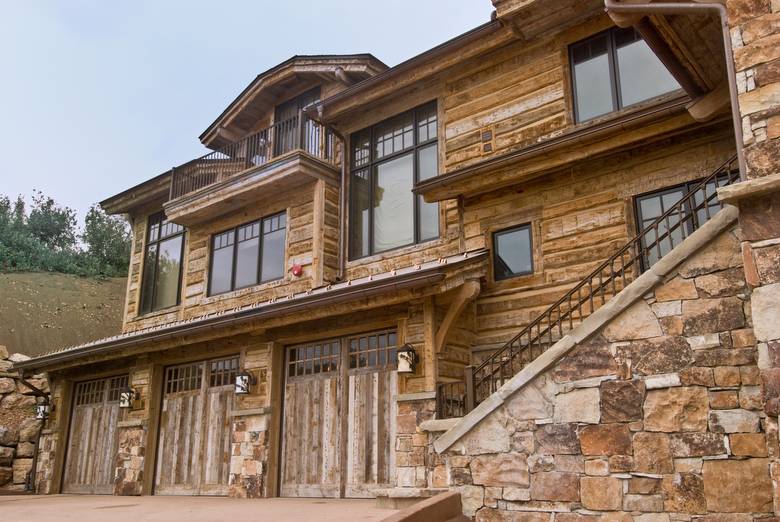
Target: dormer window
[(161, 283), (613, 70), (387, 160)]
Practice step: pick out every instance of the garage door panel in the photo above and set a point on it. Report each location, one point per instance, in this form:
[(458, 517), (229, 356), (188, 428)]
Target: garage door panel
[(195, 433), (339, 417), (92, 442)]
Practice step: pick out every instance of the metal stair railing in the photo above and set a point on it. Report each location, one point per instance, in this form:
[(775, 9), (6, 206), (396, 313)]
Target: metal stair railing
[(455, 399)]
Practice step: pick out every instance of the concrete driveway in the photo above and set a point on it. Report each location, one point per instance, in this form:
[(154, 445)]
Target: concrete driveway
[(86, 508)]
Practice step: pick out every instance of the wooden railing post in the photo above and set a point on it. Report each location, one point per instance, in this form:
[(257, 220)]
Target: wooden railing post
[(468, 375)]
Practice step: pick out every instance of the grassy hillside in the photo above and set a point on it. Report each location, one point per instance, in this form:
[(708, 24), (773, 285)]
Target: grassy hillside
[(43, 311)]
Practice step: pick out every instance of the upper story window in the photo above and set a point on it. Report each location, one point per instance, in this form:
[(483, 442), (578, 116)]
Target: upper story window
[(613, 70), (161, 284), (248, 254), (387, 160), (512, 252)]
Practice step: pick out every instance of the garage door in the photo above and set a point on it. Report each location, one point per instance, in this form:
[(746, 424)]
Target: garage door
[(193, 451), (92, 441), (339, 417)]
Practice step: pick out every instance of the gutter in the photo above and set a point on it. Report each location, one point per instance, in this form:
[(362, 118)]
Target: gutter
[(699, 8), (400, 282), (668, 108)]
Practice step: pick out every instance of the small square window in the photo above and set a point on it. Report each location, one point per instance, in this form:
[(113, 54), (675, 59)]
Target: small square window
[(513, 252)]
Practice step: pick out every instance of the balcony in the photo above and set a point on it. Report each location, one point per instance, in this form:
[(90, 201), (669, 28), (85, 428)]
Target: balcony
[(259, 163)]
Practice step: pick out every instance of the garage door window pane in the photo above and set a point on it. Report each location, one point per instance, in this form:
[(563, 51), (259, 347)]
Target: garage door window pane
[(512, 252)]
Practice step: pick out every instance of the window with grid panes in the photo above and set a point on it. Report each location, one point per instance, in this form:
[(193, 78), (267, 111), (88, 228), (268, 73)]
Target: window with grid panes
[(613, 70), (248, 254), (161, 282), (185, 377), (387, 160), (313, 358), (374, 350), (649, 207)]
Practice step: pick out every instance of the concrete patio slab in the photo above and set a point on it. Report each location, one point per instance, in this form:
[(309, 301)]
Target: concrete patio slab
[(87, 508)]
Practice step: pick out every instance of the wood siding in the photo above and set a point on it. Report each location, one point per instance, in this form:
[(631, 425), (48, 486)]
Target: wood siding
[(579, 217)]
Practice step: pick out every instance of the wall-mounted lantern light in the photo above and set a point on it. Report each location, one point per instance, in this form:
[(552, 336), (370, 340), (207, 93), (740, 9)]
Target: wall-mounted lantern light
[(127, 396), (244, 381), (407, 359), (42, 411)]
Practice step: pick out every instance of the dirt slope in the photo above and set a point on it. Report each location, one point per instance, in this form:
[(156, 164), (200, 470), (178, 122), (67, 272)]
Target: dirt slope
[(40, 312)]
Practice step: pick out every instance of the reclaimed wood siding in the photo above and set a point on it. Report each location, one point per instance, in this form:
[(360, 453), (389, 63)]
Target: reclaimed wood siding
[(516, 94), (371, 420), (92, 448), (579, 217), (311, 445)]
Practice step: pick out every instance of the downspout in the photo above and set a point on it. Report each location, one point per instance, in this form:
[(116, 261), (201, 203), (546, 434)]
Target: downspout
[(616, 6)]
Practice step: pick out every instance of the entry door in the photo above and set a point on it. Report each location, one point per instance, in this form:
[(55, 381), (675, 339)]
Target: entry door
[(339, 417), (286, 126), (92, 442), (193, 451)]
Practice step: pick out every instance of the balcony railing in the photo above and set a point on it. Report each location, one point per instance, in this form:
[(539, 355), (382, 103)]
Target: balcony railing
[(454, 399), (297, 133)]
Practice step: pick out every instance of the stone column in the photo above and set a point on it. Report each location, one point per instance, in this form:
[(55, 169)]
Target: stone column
[(755, 35)]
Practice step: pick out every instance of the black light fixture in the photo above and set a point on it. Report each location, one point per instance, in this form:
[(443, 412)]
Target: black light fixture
[(244, 381), (407, 359), (127, 396)]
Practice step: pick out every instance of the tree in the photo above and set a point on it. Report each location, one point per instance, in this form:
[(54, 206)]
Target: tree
[(107, 239), (51, 224)]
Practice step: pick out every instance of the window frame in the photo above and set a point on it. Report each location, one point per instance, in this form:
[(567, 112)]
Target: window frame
[(158, 218), (234, 258), (371, 168), (691, 225), (494, 242), (614, 73)]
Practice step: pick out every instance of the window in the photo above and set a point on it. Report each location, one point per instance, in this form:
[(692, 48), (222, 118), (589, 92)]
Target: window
[(649, 207), (512, 252), (161, 284), (248, 254), (613, 70), (388, 159)]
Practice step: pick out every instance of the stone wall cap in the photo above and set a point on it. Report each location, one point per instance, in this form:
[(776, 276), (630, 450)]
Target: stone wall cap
[(439, 424), (751, 188), (419, 396)]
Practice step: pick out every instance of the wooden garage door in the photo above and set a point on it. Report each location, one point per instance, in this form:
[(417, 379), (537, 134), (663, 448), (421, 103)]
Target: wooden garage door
[(92, 442), (339, 417), (193, 451)]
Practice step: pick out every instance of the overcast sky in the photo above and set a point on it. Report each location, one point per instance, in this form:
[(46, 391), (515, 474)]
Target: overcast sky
[(96, 96)]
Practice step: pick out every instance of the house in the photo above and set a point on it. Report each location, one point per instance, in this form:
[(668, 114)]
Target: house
[(536, 264)]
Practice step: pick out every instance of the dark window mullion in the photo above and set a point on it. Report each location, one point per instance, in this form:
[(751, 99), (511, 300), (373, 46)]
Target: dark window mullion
[(617, 98), (234, 261), (371, 176), (260, 244)]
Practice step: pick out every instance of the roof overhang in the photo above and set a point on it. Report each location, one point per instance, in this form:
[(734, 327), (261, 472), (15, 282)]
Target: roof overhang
[(413, 71), (272, 86), (434, 274), (155, 190)]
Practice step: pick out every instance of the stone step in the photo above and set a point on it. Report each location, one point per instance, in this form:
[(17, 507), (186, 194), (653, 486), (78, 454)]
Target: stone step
[(401, 498)]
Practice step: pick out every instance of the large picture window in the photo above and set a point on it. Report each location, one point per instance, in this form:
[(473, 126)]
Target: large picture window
[(248, 254), (613, 70), (387, 160), (161, 282)]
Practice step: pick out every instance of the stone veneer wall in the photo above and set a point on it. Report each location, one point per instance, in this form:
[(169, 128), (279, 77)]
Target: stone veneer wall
[(659, 416), (18, 427)]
